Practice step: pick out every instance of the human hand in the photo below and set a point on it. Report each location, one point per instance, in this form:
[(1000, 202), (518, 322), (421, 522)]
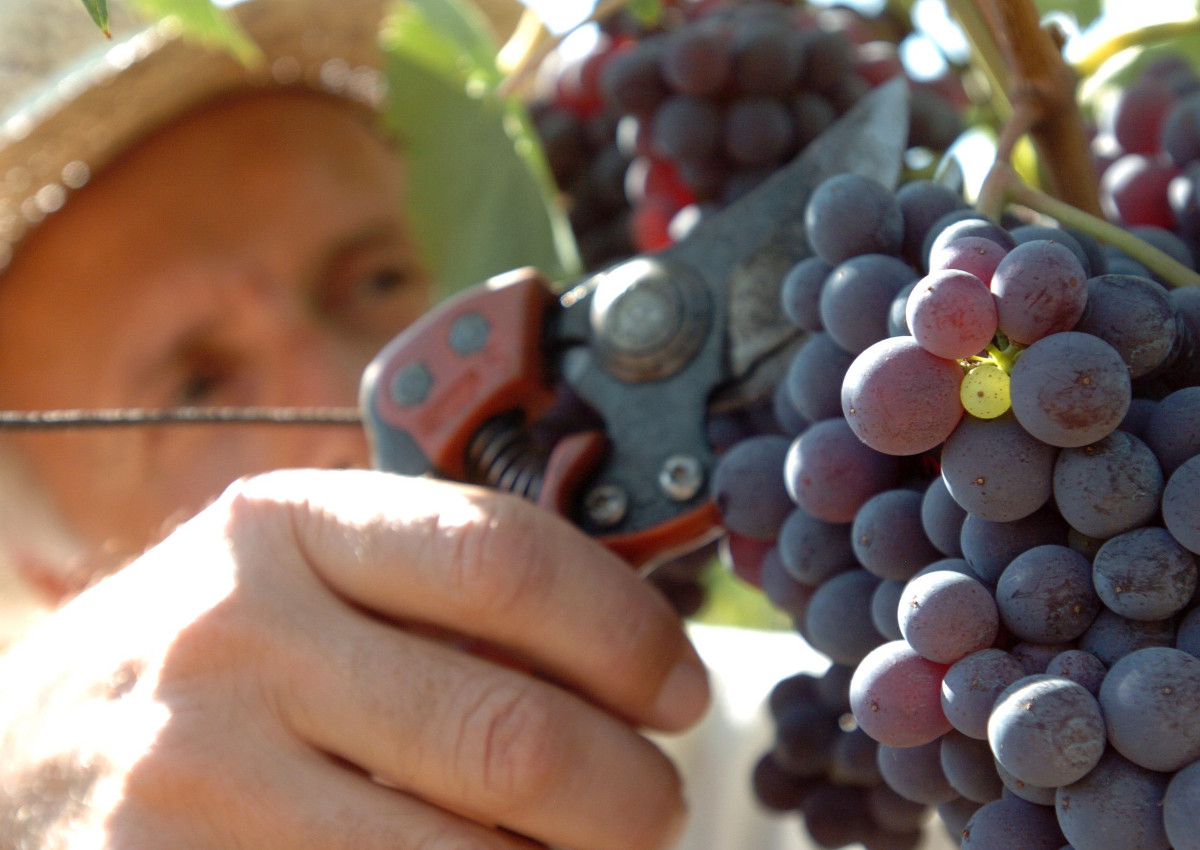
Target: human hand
[(269, 677)]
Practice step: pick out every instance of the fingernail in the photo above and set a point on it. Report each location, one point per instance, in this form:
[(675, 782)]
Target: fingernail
[(684, 695)]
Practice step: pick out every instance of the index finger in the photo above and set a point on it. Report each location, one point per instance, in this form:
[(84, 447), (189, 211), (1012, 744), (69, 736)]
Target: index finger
[(492, 566)]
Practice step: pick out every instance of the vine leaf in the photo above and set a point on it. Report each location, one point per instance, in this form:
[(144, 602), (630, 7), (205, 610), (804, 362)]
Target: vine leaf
[(473, 157), (205, 22), (98, 9)]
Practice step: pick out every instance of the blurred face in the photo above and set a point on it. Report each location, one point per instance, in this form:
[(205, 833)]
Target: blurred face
[(251, 254)]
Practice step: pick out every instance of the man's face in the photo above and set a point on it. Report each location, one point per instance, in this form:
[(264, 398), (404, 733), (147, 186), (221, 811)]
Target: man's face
[(253, 254)]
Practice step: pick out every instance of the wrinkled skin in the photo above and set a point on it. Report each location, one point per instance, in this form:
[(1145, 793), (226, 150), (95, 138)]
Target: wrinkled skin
[(324, 658)]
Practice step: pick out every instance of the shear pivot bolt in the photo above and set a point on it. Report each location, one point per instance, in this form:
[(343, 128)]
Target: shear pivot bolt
[(681, 477), (606, 505)]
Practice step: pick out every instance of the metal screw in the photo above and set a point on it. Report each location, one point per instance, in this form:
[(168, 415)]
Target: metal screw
[(469, 333), (411, 385), (681, 477), (606, 505)]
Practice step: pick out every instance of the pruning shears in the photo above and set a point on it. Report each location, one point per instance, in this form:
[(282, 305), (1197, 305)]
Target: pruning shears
[(594, 400)]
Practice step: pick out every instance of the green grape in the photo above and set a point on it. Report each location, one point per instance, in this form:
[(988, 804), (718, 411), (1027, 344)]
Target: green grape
[(985, 391)]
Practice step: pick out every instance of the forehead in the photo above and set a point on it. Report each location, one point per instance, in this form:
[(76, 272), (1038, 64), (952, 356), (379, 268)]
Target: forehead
[(212, 167)]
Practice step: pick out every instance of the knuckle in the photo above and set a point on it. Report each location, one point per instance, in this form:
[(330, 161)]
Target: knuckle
[(511, 743), (498, 562)]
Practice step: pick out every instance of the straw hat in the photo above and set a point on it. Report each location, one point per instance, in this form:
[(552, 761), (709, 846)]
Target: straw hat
[(71, 101)]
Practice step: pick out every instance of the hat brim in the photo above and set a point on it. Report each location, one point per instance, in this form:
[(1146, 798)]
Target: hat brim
[(100, 107)]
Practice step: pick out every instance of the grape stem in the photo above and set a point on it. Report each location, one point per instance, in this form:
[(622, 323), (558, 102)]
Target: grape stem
[(1041, 87), (1005, 185), (1090, 63)]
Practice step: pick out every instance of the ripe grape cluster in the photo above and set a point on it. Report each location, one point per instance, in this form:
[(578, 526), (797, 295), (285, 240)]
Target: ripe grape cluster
[(658, 126), (988, 519)]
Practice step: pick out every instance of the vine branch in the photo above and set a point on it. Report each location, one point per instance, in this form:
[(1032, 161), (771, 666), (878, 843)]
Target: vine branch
[(1042, 89)]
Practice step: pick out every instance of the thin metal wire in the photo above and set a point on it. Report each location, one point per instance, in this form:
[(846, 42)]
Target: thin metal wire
[(39, 420)]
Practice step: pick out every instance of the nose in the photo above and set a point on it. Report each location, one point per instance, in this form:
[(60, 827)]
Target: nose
[(312, 367)]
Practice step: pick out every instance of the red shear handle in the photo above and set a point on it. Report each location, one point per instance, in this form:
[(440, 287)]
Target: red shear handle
[(476, 356)]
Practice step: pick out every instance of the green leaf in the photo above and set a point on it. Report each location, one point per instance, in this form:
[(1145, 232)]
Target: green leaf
[(98, 9), (646, 12), (205, 22), (480, 195)]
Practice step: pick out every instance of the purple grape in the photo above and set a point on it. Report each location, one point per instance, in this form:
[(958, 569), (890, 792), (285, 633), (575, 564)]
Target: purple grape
[(800, 292), (971, 685), (776, 788), (1187, 636), (892, 811), (813, 550), (884, 603), (632, 80), (968, 766), (942, 518), (1181, 809), (1037, 794), (1111, 636), (922, 202), (758, 131), (973, 254), (1134, 316), (853, 760), (783, 591), (1031, 232), (804, 738), (887, 536), (990, 546), (997, 470), (1040, 289), (829, 472), (901, 400), (946, 615), (895, 696), (857, 295), (838, 619), (835, 815), (1173, 428), (1181, 504), (1118, 806), (848, 215), (1144, 574), (814, 378), (1046, 730), (1137, 418), (767, 58), (1080, 667), (687, 128), (792, 690), (976, 226), (951, 314), (1034, 657), (1070, 389), (1010, 823), (696, 59), (955, 814), (748, 487), (915, 772), (1108, 487), (1045, 595), (1150, 699)]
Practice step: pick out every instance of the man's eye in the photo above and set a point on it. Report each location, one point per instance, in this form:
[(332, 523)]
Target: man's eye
[(385, 281), (200, 384)]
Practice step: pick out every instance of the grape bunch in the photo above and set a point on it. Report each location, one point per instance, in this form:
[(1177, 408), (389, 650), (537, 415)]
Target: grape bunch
[(658, 126), (988, 519)]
